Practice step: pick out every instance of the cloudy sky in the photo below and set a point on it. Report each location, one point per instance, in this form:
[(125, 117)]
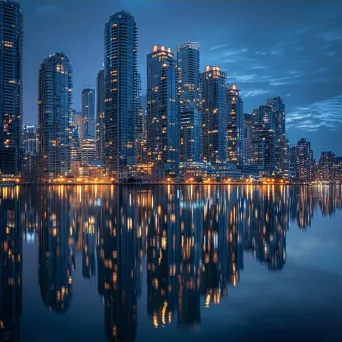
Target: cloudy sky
[(288, 48)]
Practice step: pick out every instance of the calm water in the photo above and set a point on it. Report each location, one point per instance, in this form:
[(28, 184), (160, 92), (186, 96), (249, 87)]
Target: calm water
[(171, 263)]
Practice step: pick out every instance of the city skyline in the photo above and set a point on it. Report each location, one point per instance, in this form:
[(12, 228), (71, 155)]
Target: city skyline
[(314, 107)]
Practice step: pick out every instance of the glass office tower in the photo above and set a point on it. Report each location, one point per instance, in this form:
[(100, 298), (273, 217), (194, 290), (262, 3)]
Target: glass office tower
[(162, 118), (88, 113), (11, 88), (54, 113), (188, 64), (100, 118), (235, 125), (214, 115), (120, 88)]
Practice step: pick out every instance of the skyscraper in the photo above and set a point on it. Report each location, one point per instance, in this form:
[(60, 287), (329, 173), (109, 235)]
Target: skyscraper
[(30, 139), (140, 127), (304, 160), (214, 115), (188, 82), (88, 113), (100, 118), (54, 112), (263, 139), (28, 164), (281, 144), (11, 92), (121, 46), (162, 122), (326, 167), (235, 125), (247, 137)]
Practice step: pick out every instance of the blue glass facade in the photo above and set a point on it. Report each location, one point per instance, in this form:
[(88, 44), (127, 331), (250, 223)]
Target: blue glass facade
[(214, 115), (235, 125), (120, 92), (162, 115), (88, 113), (54, 114), (100, 118), (11, 108), (188, 64)]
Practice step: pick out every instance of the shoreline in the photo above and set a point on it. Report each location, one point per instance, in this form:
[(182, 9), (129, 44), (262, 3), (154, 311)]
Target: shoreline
[(162, 183)]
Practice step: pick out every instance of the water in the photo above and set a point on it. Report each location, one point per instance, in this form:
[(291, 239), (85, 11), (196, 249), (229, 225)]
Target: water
[(171, 263)]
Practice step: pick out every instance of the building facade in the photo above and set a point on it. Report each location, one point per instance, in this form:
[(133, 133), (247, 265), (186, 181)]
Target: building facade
[(262, 153), (190, 119), (326, 171), (121, 46), (235, 126), (304, 161), (100, 115), (141, 155), (247, 137), (29, 165), (281, 143), (54, 112), (162, 118), (88, 113), (11, 88), (214, 115)]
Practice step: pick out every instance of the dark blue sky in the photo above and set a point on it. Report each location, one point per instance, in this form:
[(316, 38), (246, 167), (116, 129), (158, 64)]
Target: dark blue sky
[(268, 48)]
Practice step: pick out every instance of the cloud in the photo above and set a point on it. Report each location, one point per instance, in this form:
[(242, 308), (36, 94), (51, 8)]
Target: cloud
[(259, 67), (275, 52), (218, 47), (326, 113), (331, 53), (331, 35), (234, 52), (244, 78), (255, 92)]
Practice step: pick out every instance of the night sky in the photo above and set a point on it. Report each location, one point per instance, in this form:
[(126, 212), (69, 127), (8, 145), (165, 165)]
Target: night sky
[(268, 48)]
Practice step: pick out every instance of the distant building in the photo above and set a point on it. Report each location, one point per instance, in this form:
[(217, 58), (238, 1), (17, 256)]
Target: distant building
[(235, 128), (188, 83), (54, 112), (11, 89), (88, 151), (162, 123), (88, 113), (29, 164), (292, 163), (338, 169), (141, 153), (30, 139), (262, 152), (100, 115), (304, 161), (247, 137), (76, 129), (326, 168), (281, 144), (214, 115), (121, 48)]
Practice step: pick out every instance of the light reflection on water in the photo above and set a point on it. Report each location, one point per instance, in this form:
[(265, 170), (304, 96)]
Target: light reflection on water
[(200, 261)]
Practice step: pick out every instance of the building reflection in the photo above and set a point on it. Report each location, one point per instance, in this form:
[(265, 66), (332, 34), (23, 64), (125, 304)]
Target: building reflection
[(56, 248), (189, 278), (189, 242), (10, 265), (119, 264)]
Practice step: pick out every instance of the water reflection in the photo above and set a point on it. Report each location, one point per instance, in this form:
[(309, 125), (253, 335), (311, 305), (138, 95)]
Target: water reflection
[(10, 266), (189, 241)]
